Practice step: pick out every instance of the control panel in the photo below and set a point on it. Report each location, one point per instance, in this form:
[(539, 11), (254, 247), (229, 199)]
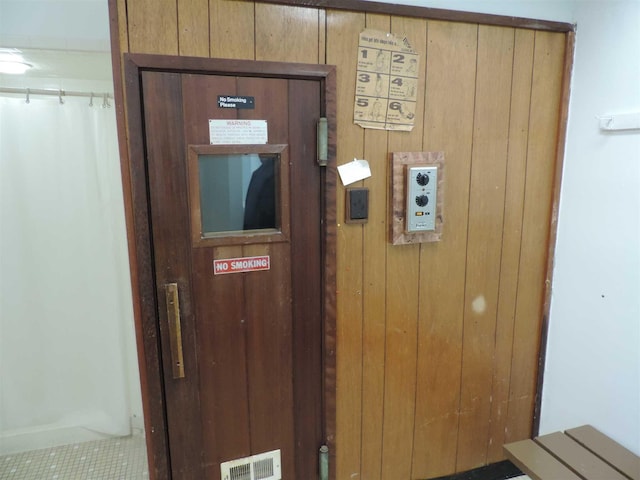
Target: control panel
[(422, 189)]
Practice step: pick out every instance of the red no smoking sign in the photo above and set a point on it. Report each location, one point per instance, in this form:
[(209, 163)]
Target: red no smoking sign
[(243, 264)]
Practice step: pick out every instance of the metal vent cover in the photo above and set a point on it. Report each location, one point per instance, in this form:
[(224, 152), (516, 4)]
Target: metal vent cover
[(264, 466)]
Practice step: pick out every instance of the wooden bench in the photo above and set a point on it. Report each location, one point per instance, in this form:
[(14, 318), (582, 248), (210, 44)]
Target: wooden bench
[(581, 453)]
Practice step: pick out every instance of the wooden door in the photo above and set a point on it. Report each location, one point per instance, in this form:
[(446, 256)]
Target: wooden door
[(241, 357)]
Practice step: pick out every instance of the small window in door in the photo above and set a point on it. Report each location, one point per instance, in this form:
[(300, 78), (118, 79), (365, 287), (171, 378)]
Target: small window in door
[(238, 194)]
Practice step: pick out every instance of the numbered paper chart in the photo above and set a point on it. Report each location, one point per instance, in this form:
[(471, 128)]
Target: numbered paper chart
[(386, 82)]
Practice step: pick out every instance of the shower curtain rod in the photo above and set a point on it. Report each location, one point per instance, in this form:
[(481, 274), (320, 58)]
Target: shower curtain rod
[(60, 94)]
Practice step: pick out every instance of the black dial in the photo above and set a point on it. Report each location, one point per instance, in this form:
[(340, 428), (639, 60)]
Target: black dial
[(422, 179), (422, 200)]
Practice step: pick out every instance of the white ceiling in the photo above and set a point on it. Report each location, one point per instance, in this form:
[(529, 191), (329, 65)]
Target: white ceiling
[(60, 38), (67, 64)]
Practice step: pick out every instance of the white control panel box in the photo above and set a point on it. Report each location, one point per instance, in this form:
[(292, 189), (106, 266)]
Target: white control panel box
[(422, 190)]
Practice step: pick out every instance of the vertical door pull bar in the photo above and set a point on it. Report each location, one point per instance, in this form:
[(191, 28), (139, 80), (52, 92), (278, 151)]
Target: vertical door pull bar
[(175, 336)]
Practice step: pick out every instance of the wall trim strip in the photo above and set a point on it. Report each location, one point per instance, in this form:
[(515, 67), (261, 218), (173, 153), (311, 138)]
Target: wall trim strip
[(431, 13)]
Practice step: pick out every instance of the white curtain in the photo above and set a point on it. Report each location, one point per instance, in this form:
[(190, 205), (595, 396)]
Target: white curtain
[(65, 305)]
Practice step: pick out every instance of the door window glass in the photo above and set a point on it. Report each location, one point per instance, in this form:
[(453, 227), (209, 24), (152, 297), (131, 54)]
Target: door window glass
[(238, 193)]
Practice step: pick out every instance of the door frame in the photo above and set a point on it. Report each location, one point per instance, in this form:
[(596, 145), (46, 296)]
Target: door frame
[(135, 185)]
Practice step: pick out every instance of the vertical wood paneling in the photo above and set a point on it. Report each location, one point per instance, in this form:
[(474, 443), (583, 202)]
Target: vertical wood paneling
[(231, 29), (451, 71), (541, 155), (511, 239), (374, 288), (165, 142), (342, 43), (306, 177), (322, 36), (270, 366), (417, 392), (148, 17), (123, 28), (484, 239), (226, 362), (279, 30), (403, 291), (193, 27)]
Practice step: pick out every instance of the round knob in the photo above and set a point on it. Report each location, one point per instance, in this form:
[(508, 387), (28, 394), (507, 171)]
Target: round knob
[(422, 179), (422, 200)]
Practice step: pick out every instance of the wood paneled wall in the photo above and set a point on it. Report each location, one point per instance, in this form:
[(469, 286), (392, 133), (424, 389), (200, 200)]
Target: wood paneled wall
[(438, 344)]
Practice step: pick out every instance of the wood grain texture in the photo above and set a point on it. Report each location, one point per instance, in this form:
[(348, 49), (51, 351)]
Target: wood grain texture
[(134, 179), (222, 339), (322, 36), (193, 27), (145, 18), (541, 158), (448, 127), (307, 307), (484, 239), (342, 42), (511, 240), (118, 29), (403, 296), (168, 201), (433, 13), (389, 389), (286, 34), (329, 203), (269, 322), (374, 288), (231, 28), (270, 357)]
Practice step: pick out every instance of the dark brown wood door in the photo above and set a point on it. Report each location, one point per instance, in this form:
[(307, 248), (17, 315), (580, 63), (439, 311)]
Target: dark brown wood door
[(251, 341)]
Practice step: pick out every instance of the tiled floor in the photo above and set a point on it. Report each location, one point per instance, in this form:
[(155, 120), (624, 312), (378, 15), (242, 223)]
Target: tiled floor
[(122, 458)]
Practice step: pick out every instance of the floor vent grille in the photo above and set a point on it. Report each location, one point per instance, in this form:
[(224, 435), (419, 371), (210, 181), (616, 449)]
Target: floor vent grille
[(264, 466)]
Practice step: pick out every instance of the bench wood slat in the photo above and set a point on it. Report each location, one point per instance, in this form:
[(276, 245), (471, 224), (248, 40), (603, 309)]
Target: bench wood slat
[(578, 458), (607, 449), (536, 462)]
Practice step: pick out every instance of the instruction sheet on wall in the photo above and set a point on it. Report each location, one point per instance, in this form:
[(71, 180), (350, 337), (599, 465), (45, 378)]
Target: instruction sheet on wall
[(386, 82)]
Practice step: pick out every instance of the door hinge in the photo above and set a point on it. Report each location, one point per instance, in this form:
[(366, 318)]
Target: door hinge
[(322, 142), (324, 462)]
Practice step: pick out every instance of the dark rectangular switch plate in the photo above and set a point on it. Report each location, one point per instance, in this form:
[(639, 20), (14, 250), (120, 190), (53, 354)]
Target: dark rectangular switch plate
[(357, 205)]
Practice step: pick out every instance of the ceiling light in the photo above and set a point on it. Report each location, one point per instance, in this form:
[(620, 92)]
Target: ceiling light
[(13, 66)]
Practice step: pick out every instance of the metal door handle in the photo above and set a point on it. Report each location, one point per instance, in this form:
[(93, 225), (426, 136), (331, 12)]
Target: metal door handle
[(175, 335)]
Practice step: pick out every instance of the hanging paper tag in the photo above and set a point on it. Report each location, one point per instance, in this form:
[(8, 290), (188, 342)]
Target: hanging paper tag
[(353, 171)]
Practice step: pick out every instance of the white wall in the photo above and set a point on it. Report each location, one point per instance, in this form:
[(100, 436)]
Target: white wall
[(68, 365), (55, 24), (592, 373)]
